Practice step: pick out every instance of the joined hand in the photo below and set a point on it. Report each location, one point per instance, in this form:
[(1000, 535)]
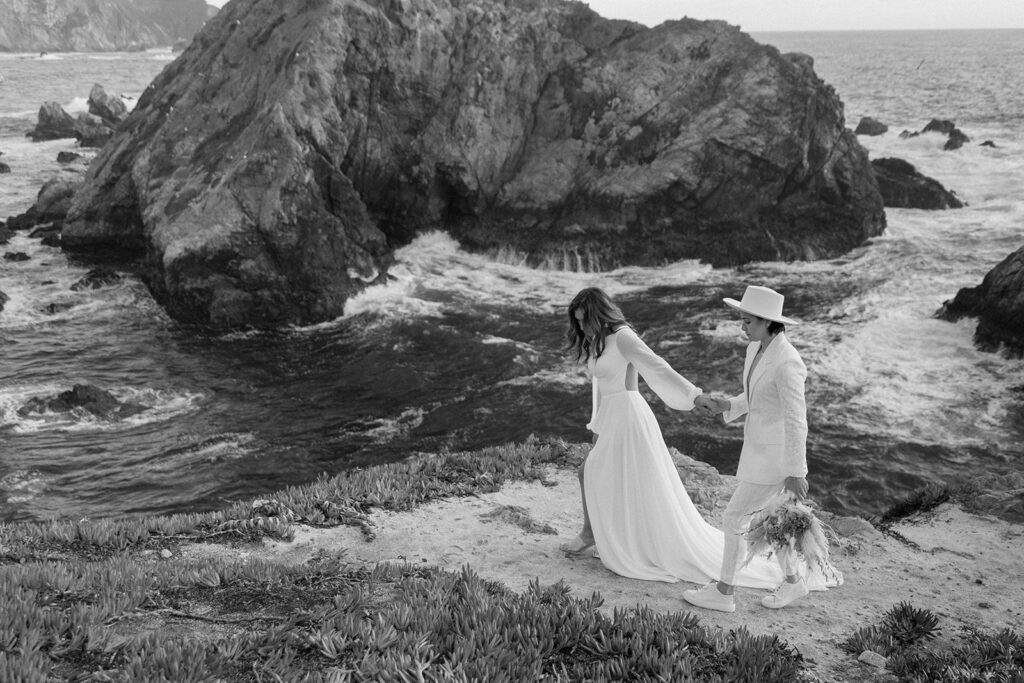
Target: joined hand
[(709, 405)]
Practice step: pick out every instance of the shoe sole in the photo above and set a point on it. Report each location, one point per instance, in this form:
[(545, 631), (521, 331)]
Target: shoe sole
[(717, 608)]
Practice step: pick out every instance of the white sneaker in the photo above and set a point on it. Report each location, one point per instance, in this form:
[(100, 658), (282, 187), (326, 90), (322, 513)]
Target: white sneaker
[(785, 594), (709, 597)]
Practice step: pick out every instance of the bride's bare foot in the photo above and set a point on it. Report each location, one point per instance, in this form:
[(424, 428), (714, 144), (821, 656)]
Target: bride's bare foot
[(578, 546)]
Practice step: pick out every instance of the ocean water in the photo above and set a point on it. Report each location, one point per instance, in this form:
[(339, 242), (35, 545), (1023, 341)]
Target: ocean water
[(460, 351)]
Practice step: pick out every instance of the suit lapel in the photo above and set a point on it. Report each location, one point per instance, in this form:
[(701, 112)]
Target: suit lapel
[(751, 352), (770, 355)]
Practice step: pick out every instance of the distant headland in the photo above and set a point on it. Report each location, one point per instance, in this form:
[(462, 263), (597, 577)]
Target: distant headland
[(41, 26)]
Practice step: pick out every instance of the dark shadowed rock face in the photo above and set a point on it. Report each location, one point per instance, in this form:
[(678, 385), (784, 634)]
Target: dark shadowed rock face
[(269, 172), (869, 126), (902, 186), (998, 303)]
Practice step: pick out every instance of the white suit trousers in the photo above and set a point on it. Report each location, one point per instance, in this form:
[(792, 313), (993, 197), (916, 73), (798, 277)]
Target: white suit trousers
[(746, 500)]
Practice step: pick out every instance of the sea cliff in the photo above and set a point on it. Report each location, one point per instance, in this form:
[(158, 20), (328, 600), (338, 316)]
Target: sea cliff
[(98, 25), (271, 170)]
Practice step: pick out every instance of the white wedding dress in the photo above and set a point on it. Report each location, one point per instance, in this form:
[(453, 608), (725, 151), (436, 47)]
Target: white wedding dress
[(645, 525)]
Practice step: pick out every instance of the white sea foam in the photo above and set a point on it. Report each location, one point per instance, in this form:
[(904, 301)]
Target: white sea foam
[(433, 274), (383, 430), (205, 450), (22, 486), (161, 405), (549, 377)]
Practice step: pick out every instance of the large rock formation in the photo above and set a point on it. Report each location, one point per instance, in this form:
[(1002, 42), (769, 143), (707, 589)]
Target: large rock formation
[(96, 25), (998, 303), (270, 170)]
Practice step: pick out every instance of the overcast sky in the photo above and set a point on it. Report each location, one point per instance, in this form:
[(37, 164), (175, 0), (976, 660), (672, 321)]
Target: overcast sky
[(824, 15), (819, 15)]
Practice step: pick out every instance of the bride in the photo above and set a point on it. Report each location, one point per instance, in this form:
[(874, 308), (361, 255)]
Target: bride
[(637, 517)]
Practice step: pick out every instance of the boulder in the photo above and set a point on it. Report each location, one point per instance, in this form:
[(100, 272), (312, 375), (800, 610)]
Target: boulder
[(91, 130), (16, 256), (48, 234), (51, 205), (3, 301), (96, 278), (5, 233), (67, 157), (53, 123), (998, 303), (108, 107), (86, 397), (4, 168), (903, 187), (270, 171), (869, 126)]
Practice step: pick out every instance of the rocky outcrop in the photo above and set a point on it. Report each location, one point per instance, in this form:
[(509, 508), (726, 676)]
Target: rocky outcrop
[(869, 126), (902, 186), (955, 138), (53, 123), (97, 278), (83, 397), (98, 25), (91, 129), (51, 205), (270, 171), (998, 303)]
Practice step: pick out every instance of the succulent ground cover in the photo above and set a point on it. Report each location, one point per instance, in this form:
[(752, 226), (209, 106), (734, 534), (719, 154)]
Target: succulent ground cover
[(116, 600)]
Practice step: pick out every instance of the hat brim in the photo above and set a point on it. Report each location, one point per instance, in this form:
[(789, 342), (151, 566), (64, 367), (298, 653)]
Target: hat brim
[(778, 319)]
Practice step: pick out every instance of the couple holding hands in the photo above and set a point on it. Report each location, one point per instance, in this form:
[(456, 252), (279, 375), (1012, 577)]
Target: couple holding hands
[(637, 517)]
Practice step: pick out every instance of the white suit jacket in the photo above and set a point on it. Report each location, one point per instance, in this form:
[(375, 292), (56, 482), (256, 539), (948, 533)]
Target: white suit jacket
[(775, 432)]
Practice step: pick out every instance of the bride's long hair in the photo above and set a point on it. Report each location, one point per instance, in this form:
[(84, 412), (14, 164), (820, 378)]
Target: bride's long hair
[(596, 305)]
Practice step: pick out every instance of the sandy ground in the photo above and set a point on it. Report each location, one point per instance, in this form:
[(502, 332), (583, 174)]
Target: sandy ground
[(965, 568)]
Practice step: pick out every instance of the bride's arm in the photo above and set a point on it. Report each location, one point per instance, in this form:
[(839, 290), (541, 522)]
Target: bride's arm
[(595, 403), (674, 389)]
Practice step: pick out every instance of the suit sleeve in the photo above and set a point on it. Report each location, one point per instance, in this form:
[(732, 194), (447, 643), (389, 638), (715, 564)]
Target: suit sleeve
[(792, 376), (595, 404), (737, 408), (675, 390)]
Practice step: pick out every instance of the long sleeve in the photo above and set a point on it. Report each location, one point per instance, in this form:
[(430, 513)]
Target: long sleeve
[(737, 408), (791, 392), (675, 390), (595, 403)]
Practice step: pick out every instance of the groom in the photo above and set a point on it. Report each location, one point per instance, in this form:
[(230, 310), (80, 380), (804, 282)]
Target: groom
[(774, 455)]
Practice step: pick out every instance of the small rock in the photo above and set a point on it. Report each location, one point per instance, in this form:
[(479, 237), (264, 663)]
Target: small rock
[(872, 658), (165, 553)]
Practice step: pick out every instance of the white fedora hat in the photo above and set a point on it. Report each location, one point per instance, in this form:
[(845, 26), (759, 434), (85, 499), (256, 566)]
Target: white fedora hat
[(763, 302)]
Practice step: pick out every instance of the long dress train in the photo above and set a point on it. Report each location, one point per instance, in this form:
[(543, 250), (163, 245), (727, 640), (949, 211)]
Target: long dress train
[(645, 525)]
